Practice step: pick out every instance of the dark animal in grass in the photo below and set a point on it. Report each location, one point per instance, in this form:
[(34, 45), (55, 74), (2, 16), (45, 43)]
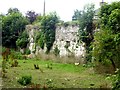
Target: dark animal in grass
[(37, 67)]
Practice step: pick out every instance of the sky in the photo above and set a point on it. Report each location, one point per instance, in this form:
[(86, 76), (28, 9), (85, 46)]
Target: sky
[(64, 8)]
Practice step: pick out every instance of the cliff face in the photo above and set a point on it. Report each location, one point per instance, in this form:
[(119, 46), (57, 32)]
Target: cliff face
[(66, 40), (32, 30)]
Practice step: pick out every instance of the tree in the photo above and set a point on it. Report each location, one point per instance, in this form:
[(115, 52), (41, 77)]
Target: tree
[(12, 26), (13, 10), (107, 40), (1, 16), (86, 24), (85, 18), (38, 18), (31, 15), (48, 26), (110, 16), (77, 15)]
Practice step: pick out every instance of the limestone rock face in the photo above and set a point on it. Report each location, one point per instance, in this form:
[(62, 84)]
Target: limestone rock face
[(66, 40), (31, 30)]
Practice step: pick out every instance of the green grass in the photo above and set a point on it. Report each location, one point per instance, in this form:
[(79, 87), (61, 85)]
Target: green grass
[(60, 76)]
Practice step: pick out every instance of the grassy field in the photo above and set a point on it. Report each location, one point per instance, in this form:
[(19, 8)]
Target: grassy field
[(57, 76)]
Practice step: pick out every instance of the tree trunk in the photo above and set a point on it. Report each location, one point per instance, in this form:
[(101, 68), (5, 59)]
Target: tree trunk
[(113, 64)]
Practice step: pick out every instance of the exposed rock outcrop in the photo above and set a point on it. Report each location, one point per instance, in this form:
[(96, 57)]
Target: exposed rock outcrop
[(66, 40)]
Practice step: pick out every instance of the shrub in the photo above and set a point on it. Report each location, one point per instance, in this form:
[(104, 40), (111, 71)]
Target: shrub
[(22, 41), (40, 39), (14, 63), (116, 80), (56, 51), (15, 55), (3, 49), (25, 80), (27, 51)]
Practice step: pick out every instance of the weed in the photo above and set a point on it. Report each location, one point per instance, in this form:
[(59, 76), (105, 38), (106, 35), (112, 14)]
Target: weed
[(14, 63), (56, 51), (25, 80)]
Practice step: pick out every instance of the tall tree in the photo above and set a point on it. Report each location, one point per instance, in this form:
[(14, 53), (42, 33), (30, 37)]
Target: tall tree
[(77, 15), (12, 26), (85, 18), (107, 40), (48, 24), (86, 24), (110, 16)]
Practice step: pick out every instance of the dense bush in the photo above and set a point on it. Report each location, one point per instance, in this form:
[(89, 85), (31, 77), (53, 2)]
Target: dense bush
[(15, 55), (27, 51), (3, 49), (13, 23), (48, 26), (40, 39), (25, 80), (22, 41), (107, 40)]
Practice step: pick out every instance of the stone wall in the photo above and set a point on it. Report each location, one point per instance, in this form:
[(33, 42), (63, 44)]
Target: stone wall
[(66, 40), (32, 30), (68, 36)]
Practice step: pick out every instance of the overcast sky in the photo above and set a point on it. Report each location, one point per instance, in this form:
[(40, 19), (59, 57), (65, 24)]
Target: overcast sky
[(64, 8)]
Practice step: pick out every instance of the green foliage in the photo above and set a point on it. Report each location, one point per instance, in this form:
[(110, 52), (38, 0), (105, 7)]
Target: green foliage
[(77, 15), (25, 80), (3, 49), (13, 10), (79, 74), (107, 40), (105, 46), (48, 26), (40, 39), (56, 51), (86, 24), (15, 55), (38, 19), (116, 80), (12, 25), (14, 63), (114, 22), (22, 41), (27, 51), (85, 18), (110, 16)]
